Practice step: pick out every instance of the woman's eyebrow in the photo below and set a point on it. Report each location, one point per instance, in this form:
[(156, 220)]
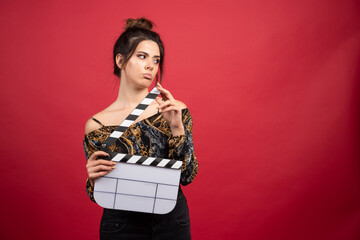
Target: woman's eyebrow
[(145, 53)]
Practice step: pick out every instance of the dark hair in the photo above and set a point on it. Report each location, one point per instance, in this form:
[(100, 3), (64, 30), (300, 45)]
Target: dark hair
[(136, 31)]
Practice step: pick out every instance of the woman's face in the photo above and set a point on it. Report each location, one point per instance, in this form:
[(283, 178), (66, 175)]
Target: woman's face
[(143, 65)]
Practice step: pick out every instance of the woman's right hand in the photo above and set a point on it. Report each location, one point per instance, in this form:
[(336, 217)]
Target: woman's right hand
[(98, 167)]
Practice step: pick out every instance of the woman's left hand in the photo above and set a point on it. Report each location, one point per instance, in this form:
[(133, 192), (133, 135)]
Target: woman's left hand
[(171, 111)]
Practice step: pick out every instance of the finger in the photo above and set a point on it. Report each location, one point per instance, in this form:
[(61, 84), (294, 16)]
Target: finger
[(170, 108), (166, 103), (99, 174), (101, 168), (95, 163), (177, 108), (102, 162), (165, 93), (97, 154), (159, 101)]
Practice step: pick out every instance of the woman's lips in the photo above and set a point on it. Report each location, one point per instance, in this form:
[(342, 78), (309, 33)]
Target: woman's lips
[(147, 76)]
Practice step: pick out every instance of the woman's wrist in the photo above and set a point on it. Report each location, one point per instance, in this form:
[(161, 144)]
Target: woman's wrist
[(177, 131)]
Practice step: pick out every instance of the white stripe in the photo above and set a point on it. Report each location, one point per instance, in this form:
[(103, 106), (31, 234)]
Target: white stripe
[(148, 161), (126, 123), (163, 162), (137, 112), (155, 90), (177, 164), (118, 157), (133, 159), (116, 134), (147, 101)]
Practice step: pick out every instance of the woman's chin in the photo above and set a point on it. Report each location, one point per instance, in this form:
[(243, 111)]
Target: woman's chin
[(144, 84)]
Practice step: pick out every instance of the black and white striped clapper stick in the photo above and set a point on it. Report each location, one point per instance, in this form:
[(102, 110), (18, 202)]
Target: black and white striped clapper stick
[(135, 159), (149, 161)]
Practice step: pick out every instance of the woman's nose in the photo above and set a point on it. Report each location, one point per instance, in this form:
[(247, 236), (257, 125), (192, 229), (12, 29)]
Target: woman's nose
[(149, 65)]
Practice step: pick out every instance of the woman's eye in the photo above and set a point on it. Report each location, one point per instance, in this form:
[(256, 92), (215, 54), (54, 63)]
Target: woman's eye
[(142, 56)]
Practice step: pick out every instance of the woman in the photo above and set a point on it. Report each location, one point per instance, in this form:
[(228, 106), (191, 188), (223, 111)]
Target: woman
[(163, 130)]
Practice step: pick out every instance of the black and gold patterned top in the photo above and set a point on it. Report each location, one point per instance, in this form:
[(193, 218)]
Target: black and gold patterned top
[(150, 137)]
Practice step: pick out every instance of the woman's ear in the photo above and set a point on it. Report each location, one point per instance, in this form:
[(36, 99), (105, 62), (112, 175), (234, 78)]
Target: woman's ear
[(119, 60)]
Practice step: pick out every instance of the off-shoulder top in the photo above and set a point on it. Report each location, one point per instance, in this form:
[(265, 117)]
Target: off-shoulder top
[(150, 137)]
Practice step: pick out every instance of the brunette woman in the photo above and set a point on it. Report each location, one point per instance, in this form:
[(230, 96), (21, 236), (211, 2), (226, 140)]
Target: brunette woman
[(163, 130)]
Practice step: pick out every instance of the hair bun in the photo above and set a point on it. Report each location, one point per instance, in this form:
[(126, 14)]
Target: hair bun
[(139, 23)]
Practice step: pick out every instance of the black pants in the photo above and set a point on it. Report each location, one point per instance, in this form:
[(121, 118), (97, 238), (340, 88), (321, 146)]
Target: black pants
[(175, 225)]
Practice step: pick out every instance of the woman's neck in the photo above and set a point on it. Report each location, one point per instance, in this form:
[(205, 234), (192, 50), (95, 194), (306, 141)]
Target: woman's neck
[(129, 96)]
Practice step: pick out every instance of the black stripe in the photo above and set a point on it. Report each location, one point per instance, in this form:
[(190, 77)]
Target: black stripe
[(156, 161), (142, 106), (170, 163), (126, 158), (131, 117), (121, 129), (141, 160), (152, 95), (112, 155)]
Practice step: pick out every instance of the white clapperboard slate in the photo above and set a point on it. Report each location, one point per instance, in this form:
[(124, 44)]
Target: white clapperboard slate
[(138, 183)]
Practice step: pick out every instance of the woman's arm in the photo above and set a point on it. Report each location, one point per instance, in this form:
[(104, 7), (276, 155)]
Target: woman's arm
[(181, 145), (89, 149), (95, 167), (182, 148)]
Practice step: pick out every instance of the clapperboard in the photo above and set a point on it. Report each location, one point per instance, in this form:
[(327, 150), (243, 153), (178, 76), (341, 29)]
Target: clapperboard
[(138, 183)]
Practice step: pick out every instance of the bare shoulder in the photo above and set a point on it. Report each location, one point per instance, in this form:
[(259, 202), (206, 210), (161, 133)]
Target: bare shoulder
[(181, 104), (91, 124)]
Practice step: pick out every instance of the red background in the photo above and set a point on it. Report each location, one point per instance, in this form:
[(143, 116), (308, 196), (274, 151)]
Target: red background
[(273, 87)]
